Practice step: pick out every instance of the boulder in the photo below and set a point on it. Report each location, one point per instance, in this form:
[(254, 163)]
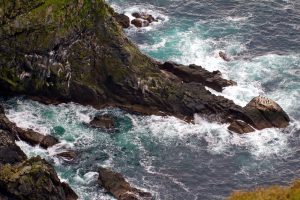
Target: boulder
[(137, 22), (103, 122), (240, 127), (123, 20), (116, 184), (144, 16), (137, 15), (33, 179), (262, 112)]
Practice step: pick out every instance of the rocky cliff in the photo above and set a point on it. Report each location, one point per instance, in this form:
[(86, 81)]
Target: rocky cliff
[(76, 51), (22, 178)]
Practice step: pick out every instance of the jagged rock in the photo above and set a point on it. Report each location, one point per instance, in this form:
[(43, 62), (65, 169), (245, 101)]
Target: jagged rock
[(116, 184), (28, 135), (123, 20), (76, 51), (10, 153), (240, 127), (103, 121), (26, 179), (263, 112), (68, 155), (194, 73), (33, 179)]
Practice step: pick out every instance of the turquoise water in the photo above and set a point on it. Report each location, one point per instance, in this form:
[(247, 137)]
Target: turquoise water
[(170, 158)]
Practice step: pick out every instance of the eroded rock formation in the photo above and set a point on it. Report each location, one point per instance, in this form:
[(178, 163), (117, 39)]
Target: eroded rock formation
[(22, 178), (76, 51)]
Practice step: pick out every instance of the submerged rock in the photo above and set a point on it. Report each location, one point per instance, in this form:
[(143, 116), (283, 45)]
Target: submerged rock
[(67, 155), (116, 184), (103, 121), (33, 179)]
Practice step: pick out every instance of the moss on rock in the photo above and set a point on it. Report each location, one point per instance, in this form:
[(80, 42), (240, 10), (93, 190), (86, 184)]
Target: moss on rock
[(291, 192)]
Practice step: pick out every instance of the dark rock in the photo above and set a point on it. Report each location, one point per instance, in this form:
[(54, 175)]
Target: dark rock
[(28, 135), (68, 155), (123, 20), (48, 141), (150, 18), (194, 73), (137, 22), (144, 16), (103, 121), (240, 127), (33, 179), (10, 153), (116, 184), (90, 61), (136, 15)]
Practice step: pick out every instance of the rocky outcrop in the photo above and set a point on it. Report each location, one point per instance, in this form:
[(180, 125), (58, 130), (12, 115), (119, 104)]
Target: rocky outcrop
[(103, 122), (22, 178), (76, 51), (31, 180), (260, 113), (10, 153), (116, 184), (27, 135), (197, 74)]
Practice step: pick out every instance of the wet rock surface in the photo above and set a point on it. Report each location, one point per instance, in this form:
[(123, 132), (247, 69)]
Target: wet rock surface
[(197, 74), (22, 178), (116, 184), (27, 135), (90, 61), (103, 122), (240, 127)]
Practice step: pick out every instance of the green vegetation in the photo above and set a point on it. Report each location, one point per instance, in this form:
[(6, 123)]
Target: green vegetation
[(291, 192)]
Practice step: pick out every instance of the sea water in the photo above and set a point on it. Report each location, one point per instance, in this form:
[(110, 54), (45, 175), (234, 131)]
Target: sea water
[(170, 158)]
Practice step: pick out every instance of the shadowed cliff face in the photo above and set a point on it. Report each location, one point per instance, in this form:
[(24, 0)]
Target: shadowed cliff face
[(76, 51)]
